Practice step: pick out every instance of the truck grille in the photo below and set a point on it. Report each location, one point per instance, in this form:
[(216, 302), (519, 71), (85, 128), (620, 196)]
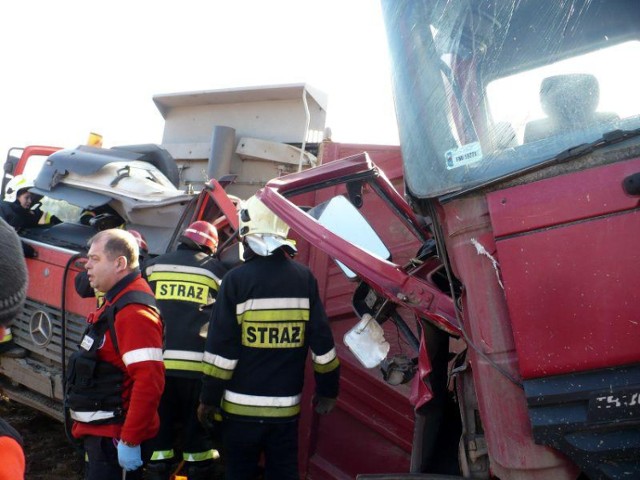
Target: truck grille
[(38, 329)]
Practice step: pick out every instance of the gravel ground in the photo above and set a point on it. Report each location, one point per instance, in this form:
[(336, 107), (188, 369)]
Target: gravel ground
[(49, 454)]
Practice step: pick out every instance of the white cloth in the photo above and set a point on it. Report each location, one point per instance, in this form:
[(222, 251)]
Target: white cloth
[(264, 245)]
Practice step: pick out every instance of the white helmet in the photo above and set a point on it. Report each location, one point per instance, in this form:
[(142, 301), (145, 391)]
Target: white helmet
[(17, 183), (262, 229)]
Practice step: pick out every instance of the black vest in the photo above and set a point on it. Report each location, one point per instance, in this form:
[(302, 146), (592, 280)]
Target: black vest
[(93, 392)]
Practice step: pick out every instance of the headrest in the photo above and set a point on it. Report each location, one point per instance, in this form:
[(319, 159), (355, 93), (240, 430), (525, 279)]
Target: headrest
[(572, 97)]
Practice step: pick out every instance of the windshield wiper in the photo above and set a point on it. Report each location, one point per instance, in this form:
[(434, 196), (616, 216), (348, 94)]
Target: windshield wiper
[(609, 138)]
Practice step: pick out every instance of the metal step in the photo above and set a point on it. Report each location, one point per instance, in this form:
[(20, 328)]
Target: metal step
[(32, 400)]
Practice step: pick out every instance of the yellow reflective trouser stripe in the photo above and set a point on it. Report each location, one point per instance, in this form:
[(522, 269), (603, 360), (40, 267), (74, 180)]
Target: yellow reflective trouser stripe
[(183, 365), (301, 314), (273, 335), (162, 454), (260, 411), (199, 456), (183, 277), (217, 372), (326, 367)]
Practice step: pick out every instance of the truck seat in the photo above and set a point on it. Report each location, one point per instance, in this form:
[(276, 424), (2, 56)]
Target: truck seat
[(570, 102)]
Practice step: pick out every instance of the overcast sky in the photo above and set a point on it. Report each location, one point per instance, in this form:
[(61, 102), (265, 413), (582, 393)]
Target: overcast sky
[(72, 67)]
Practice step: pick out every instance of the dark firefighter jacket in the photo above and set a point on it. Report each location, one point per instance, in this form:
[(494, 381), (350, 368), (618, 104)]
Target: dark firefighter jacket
[(185, 283), (138, 329), (268, 315), (20, 218)]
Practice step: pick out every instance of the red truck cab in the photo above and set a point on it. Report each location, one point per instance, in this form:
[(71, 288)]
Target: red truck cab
[(519, 130)]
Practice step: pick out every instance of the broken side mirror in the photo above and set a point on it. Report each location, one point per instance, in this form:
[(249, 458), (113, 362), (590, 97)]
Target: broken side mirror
[(339, 216), (366, 341)]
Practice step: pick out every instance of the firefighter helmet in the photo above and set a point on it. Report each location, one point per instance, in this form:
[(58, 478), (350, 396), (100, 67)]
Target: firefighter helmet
[(15, 186), (202, 234), (262, 229), (256, 218), (142, 243)]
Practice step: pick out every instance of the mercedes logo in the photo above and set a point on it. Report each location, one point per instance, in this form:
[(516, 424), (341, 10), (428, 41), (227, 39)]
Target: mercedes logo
[(40, 328)]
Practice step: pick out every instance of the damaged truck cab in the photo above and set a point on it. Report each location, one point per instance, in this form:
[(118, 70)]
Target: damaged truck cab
[(520, 134), (490, 331)]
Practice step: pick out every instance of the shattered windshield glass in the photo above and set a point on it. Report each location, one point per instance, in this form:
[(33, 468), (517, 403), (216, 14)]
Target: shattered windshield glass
[(484, 88), (594, 92)]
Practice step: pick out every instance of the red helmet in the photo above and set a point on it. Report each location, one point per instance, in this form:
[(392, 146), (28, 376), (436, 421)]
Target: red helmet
[(142, 243), (201, 233)]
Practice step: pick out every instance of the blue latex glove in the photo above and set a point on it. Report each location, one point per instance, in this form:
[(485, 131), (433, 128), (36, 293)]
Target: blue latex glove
[(129, 457)]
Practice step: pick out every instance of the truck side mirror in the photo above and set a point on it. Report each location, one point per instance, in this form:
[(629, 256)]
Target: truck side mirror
[(339, 216), (10, 164)]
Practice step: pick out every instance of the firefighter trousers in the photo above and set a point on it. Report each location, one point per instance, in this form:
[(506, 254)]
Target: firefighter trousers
[(244, 442), (181, 436)]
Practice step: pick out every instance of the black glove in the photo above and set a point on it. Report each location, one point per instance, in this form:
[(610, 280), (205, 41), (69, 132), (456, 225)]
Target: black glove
[(324, 405), (209, 416)]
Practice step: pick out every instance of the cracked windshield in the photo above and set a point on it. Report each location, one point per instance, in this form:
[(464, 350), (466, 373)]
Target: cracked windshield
[(509, 90)]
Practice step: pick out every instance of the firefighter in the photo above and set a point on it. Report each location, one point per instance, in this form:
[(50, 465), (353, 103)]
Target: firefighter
[(268, 315), (21, 208), (116, 378), (13, 288), (185, 283)]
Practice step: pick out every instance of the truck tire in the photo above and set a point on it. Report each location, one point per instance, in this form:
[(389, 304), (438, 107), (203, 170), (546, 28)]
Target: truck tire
[(158, 157)]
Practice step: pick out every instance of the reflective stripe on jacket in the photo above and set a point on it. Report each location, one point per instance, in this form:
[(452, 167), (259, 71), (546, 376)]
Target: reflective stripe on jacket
[(268, 315), (185, 283)]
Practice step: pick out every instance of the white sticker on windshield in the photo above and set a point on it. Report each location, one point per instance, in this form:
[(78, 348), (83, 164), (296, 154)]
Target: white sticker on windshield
[(465, 155)]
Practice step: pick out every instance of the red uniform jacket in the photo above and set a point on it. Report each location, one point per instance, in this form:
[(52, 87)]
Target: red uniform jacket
[(139, 334)]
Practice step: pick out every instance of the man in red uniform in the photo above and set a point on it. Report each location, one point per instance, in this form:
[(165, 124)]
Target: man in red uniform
[(116, 378)]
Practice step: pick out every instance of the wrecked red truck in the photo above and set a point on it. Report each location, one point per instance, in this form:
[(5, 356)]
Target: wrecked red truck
[(480, 279), (520, 132)]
